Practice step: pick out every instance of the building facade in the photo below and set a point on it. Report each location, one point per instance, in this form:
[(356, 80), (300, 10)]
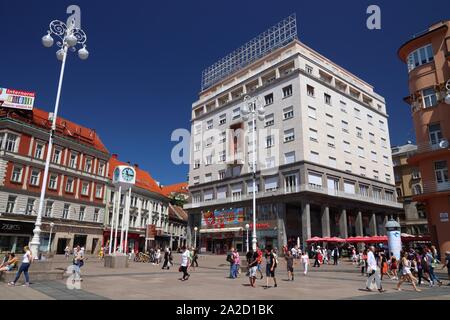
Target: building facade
[(177, 227), (324, 163), (408, 183), (427, 56), (149, 207), (75, 195)]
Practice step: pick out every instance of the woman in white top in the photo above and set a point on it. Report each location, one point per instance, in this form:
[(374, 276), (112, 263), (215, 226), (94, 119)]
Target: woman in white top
[(305, 262), (407, 274), (26, 260), (185, 260)]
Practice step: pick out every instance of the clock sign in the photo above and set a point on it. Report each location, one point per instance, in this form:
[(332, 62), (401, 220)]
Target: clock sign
[(128, 174)]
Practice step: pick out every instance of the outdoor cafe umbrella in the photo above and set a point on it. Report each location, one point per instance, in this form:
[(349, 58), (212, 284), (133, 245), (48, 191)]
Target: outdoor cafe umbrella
[(315, 239), (334, 239)]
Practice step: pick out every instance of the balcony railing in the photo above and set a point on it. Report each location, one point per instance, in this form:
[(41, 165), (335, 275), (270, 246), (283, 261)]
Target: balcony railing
[(301, 188), (428, 146), (433, 186)]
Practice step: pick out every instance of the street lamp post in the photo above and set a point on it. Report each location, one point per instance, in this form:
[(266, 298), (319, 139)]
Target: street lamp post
[(195, 237), (251, 108), (247, 226), (50, 237), (69, 37)]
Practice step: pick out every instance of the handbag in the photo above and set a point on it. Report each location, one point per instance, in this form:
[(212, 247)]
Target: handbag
[(179, 269)]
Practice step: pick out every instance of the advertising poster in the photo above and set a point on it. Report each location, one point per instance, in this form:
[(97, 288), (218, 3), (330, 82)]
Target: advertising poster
[(16, 99), (222, 218)]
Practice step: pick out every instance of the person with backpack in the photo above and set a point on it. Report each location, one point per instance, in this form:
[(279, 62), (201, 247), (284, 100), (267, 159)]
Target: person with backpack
[(230, 260), (271, 265)]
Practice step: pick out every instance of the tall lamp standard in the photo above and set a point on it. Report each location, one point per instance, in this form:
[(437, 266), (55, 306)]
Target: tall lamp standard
[(69, 37), (250, 108), (50, 237), (247, 226), (195, 237)]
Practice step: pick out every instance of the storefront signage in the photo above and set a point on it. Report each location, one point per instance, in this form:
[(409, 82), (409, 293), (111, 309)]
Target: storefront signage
[(70, 229), (260, 226), (221, 218), (16, 227), (151, 231), (16, 99), (444, 216)]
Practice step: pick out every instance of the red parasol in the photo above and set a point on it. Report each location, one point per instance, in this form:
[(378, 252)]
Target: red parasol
[(315, 239)]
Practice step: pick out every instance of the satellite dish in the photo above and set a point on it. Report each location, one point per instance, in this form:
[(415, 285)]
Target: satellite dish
[(443, 144)]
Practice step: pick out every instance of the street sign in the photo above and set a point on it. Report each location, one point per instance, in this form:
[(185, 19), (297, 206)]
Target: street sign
[(444, 216), (16, 99)]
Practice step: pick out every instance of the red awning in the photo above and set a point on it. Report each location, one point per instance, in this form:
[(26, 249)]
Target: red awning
[(333, 239), (315, 239)]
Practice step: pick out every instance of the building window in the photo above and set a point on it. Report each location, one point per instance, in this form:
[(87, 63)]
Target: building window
[(11, 204), (359, 133), (344, 126), (96, 214), (34, 178), (388, 178), (209, 142), (370, 119), (360, 152), (270, 141), (383, 143), (208, 177), (332, 162), (289, 157), (362, 171), (308, 69), (381, 125), (331, 143), (429, 97), (48, 209), (372, 137), (221, 174), (269, 120), (196, 180), (389, 195), (39, 152), (346, 146), (17, 174), (313, 135), (209, 124), (310, 90), (222, 119), (196, 164), (73, 160), (69, 185), (236, 113), (287, 91), (417, 189), (343, 106), (348, 166), (101, 169), (289, 135), (288, 113), (441, 172), (364, 190), (357, 113), (81, 213), (419, 57), (270, 162), (11, 142), (30, 206), (268, 99), (327, 98), (349, 187), (386, 160), (329, 120), (57, 156), (314, 157), (415, 174), (197, 146), (208, 160), (435, 133), (376, 193), (271, 183), (315, 180), (376, 175), (290, 183), (312, 112), (88, 165), (85, 188), (53, 180), (373, 156), (98, 191), (198, 128), (222, 156)]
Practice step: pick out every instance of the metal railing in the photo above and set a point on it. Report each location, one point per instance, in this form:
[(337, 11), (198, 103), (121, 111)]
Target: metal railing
[(297, 189), (433, 186), (429, 146)]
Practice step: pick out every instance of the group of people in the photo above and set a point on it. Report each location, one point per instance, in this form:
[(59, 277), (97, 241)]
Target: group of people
[(414, 266), (254, 262), (11, 262)]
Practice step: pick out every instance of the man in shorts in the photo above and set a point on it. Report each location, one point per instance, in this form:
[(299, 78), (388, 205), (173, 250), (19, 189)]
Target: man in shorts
[(252, 267), (259, 259)]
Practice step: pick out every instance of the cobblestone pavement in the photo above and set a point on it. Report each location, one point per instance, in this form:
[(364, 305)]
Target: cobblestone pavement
[(210, 281)]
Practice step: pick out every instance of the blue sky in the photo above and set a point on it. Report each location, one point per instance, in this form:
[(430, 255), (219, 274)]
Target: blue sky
[(146, 59)]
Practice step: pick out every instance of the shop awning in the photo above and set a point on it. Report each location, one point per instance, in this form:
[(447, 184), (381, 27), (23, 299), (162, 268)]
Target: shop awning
[(221, 230)]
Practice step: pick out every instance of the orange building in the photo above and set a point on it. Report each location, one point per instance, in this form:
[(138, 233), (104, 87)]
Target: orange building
[(428, 58)]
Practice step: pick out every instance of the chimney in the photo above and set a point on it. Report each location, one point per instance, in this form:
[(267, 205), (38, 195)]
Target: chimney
[(136, 165), (114, 156)]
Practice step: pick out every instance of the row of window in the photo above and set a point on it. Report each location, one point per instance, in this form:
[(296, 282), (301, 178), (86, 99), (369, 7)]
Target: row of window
[(10, 142), (34, 180), (49, 209), (146, 204), (291, 184)]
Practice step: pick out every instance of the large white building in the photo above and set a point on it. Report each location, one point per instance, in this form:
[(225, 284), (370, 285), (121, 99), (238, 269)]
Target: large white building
[(324, 155)]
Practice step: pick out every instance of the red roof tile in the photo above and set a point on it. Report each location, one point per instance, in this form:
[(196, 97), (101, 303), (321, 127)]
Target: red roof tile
[(181, 187)]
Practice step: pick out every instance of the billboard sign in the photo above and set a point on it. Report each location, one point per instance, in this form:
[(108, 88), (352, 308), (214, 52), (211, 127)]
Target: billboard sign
[(222, 218), (151, 232), (16, 99)]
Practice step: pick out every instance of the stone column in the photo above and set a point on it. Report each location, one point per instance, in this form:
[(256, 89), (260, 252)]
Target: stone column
[(373, 225), (306, 222), (386, 219), (325, 221), (343, 230), (359, 224)]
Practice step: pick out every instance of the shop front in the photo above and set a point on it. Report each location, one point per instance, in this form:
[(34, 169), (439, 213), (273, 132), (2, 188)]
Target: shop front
[(136, 240), (14, 235)]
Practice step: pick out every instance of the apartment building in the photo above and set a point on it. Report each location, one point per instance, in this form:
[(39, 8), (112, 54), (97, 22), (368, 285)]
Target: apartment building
[(408, 183), (427, 56), (75, 195), (149, 207), (324, 161)]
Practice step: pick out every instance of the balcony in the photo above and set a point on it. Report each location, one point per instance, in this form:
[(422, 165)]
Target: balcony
[(296, 189), (433, 186)]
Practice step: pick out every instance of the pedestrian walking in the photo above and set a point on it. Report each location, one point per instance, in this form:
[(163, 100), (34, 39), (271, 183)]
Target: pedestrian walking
[(230, 260), (290, 265), (67, 252), (78, 262), (406, 273), (373, 270), (384, 267), (271, 265), (363, 262), (335, 255), (393, 266), (166, 259), (259, 260), (447, 265), (432, 262), (305, 262), (317, 258), (236, 264), (195, 258), (24, 266), (185, 261), (252, 267)]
